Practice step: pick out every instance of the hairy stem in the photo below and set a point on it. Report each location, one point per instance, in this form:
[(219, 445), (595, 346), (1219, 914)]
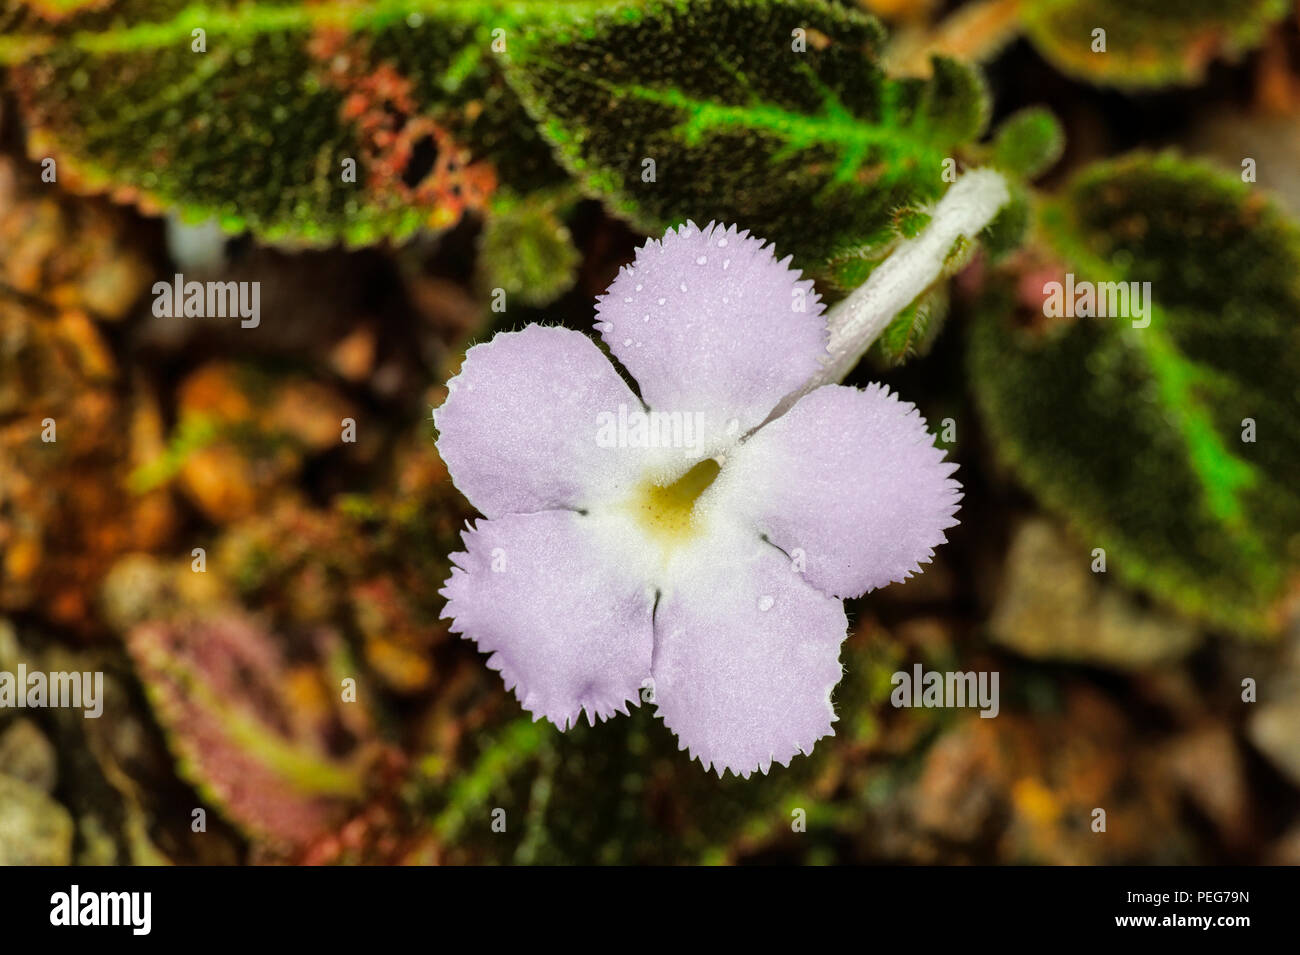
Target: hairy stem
[(858, 320)]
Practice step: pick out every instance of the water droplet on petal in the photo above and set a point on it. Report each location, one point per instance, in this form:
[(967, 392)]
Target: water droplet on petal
[(628, 299), (765, 603), (640, 287), (645, 317), (662, 300), (682, 286), (627, 341), (726, 263), (702, 260), (722, 243)]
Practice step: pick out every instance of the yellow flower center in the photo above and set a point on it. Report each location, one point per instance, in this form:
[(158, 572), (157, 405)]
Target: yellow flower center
[(667, 512)]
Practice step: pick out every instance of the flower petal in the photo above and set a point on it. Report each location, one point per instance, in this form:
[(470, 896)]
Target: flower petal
[(519, 428), (746, 656), (709, 322), (564, 613), (849, 483)]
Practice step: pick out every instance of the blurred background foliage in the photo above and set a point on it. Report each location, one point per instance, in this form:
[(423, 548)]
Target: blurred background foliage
[(302, 690)]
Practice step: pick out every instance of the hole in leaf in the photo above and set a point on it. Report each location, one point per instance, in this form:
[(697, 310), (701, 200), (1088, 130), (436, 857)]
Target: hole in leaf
[(424, 156)]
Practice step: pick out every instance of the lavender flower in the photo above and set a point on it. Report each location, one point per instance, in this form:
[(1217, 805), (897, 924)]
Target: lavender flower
[(689, 547)]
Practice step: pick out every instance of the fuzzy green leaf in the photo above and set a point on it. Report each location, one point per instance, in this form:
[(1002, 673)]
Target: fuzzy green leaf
[(1148, 43), (811, 148), (234, 713), (1028, 143), (665, 808), (1009, 227), (527, 251), (1139, 435), (253, 130), (914, 329)]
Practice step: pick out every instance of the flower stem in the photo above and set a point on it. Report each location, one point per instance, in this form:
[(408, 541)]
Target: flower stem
[(855, 322)]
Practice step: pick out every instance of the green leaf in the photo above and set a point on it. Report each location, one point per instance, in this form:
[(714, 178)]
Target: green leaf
[(913, 331), (1009, 227), (1138, 434), (1148, 43), (624, 792), (1028, 143), (254, 131), (811, 149), (527, 251), (245, 729)]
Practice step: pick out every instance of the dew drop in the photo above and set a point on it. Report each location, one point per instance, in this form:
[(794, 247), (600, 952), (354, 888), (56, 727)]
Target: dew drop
[(628, 299), (702, 260), (682, 286), (645, 317), (726, 263), (722, 243), (765, 603), (662, 300), (627, 341), (640, 287)]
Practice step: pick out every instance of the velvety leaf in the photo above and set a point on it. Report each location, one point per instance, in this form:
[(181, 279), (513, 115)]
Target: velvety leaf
[(253, 131), (1007, 231), (813, 150), (663, 809), (914, 329), (1148, 43), (1028, 143), (1140, 436), (527, 251), (258, 735)]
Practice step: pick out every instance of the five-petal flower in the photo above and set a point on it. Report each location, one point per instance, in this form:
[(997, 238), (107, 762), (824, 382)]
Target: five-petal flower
[(701, 556)]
